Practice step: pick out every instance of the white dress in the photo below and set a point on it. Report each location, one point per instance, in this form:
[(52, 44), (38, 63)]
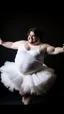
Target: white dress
[(27, 73)]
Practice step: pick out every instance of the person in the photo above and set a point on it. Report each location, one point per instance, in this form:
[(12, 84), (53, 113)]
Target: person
[(28, 74)]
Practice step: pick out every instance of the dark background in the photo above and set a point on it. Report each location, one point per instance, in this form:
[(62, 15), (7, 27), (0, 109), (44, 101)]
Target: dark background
[(14, 25)]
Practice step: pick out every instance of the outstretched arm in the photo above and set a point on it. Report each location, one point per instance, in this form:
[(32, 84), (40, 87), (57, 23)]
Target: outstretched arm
[(51, 49), (58, 50), (12, 45)]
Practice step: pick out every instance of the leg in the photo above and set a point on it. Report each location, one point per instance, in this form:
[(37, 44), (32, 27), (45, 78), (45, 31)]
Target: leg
[(26, 99)]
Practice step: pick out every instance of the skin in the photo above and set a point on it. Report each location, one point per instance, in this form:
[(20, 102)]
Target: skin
[(32, 41)]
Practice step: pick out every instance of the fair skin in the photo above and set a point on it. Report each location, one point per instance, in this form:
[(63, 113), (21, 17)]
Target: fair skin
[(32, 41)]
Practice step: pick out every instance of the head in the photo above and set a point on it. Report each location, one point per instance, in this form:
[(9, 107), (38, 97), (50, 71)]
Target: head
[(34, 36)]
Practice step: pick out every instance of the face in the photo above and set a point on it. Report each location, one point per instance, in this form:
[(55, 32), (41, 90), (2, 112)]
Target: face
[(32, 38)]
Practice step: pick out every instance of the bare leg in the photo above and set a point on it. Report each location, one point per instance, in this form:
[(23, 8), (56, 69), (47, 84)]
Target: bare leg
[(26, 99)]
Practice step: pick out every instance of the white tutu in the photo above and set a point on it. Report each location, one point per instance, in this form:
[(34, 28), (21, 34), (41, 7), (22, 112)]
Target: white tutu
[(38, 82)]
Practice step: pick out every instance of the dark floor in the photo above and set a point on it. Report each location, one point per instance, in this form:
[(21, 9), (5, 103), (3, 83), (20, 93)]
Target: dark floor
[(13, 98), (53, 101)]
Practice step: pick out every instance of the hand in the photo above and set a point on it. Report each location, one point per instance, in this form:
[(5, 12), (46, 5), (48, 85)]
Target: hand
[(0, 41)]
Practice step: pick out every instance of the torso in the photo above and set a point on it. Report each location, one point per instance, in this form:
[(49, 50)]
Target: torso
[(27, 58)]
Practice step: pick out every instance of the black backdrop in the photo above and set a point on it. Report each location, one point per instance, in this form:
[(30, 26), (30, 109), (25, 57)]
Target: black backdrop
[(14, 25)]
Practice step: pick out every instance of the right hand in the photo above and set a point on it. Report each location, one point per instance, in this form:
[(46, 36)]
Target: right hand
[(0, 41)]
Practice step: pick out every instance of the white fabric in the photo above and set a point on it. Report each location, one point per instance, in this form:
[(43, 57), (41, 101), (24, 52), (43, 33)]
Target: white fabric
[(27, 74)]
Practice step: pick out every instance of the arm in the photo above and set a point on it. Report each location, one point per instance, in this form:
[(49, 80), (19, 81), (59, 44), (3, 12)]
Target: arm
[(51, 49), (58, 50), (11, 45)]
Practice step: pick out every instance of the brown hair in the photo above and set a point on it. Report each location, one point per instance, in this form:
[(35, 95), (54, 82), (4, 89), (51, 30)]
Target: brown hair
[(38, 33)]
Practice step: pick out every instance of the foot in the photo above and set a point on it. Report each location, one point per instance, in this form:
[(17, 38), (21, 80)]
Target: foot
[(26, 100)]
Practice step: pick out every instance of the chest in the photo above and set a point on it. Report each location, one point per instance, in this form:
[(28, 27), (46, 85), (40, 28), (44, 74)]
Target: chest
[(28, 50), (27, 46)]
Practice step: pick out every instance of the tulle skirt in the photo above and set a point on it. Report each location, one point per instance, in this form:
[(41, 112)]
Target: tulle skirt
[(38, 82)]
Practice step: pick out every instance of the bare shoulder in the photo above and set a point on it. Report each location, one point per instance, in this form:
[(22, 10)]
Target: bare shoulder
[(16, 44), (43, 47), (45, 44), (23, 41)]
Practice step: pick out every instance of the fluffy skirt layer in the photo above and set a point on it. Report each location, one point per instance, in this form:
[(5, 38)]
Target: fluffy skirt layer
[(37, 83)]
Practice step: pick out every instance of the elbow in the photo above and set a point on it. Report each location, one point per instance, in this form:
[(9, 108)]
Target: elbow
[(53, 49), (50, 49)]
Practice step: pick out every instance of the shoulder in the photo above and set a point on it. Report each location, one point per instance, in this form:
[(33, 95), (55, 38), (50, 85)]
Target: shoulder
[(23, 41), (45, 44), (43, 47)]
